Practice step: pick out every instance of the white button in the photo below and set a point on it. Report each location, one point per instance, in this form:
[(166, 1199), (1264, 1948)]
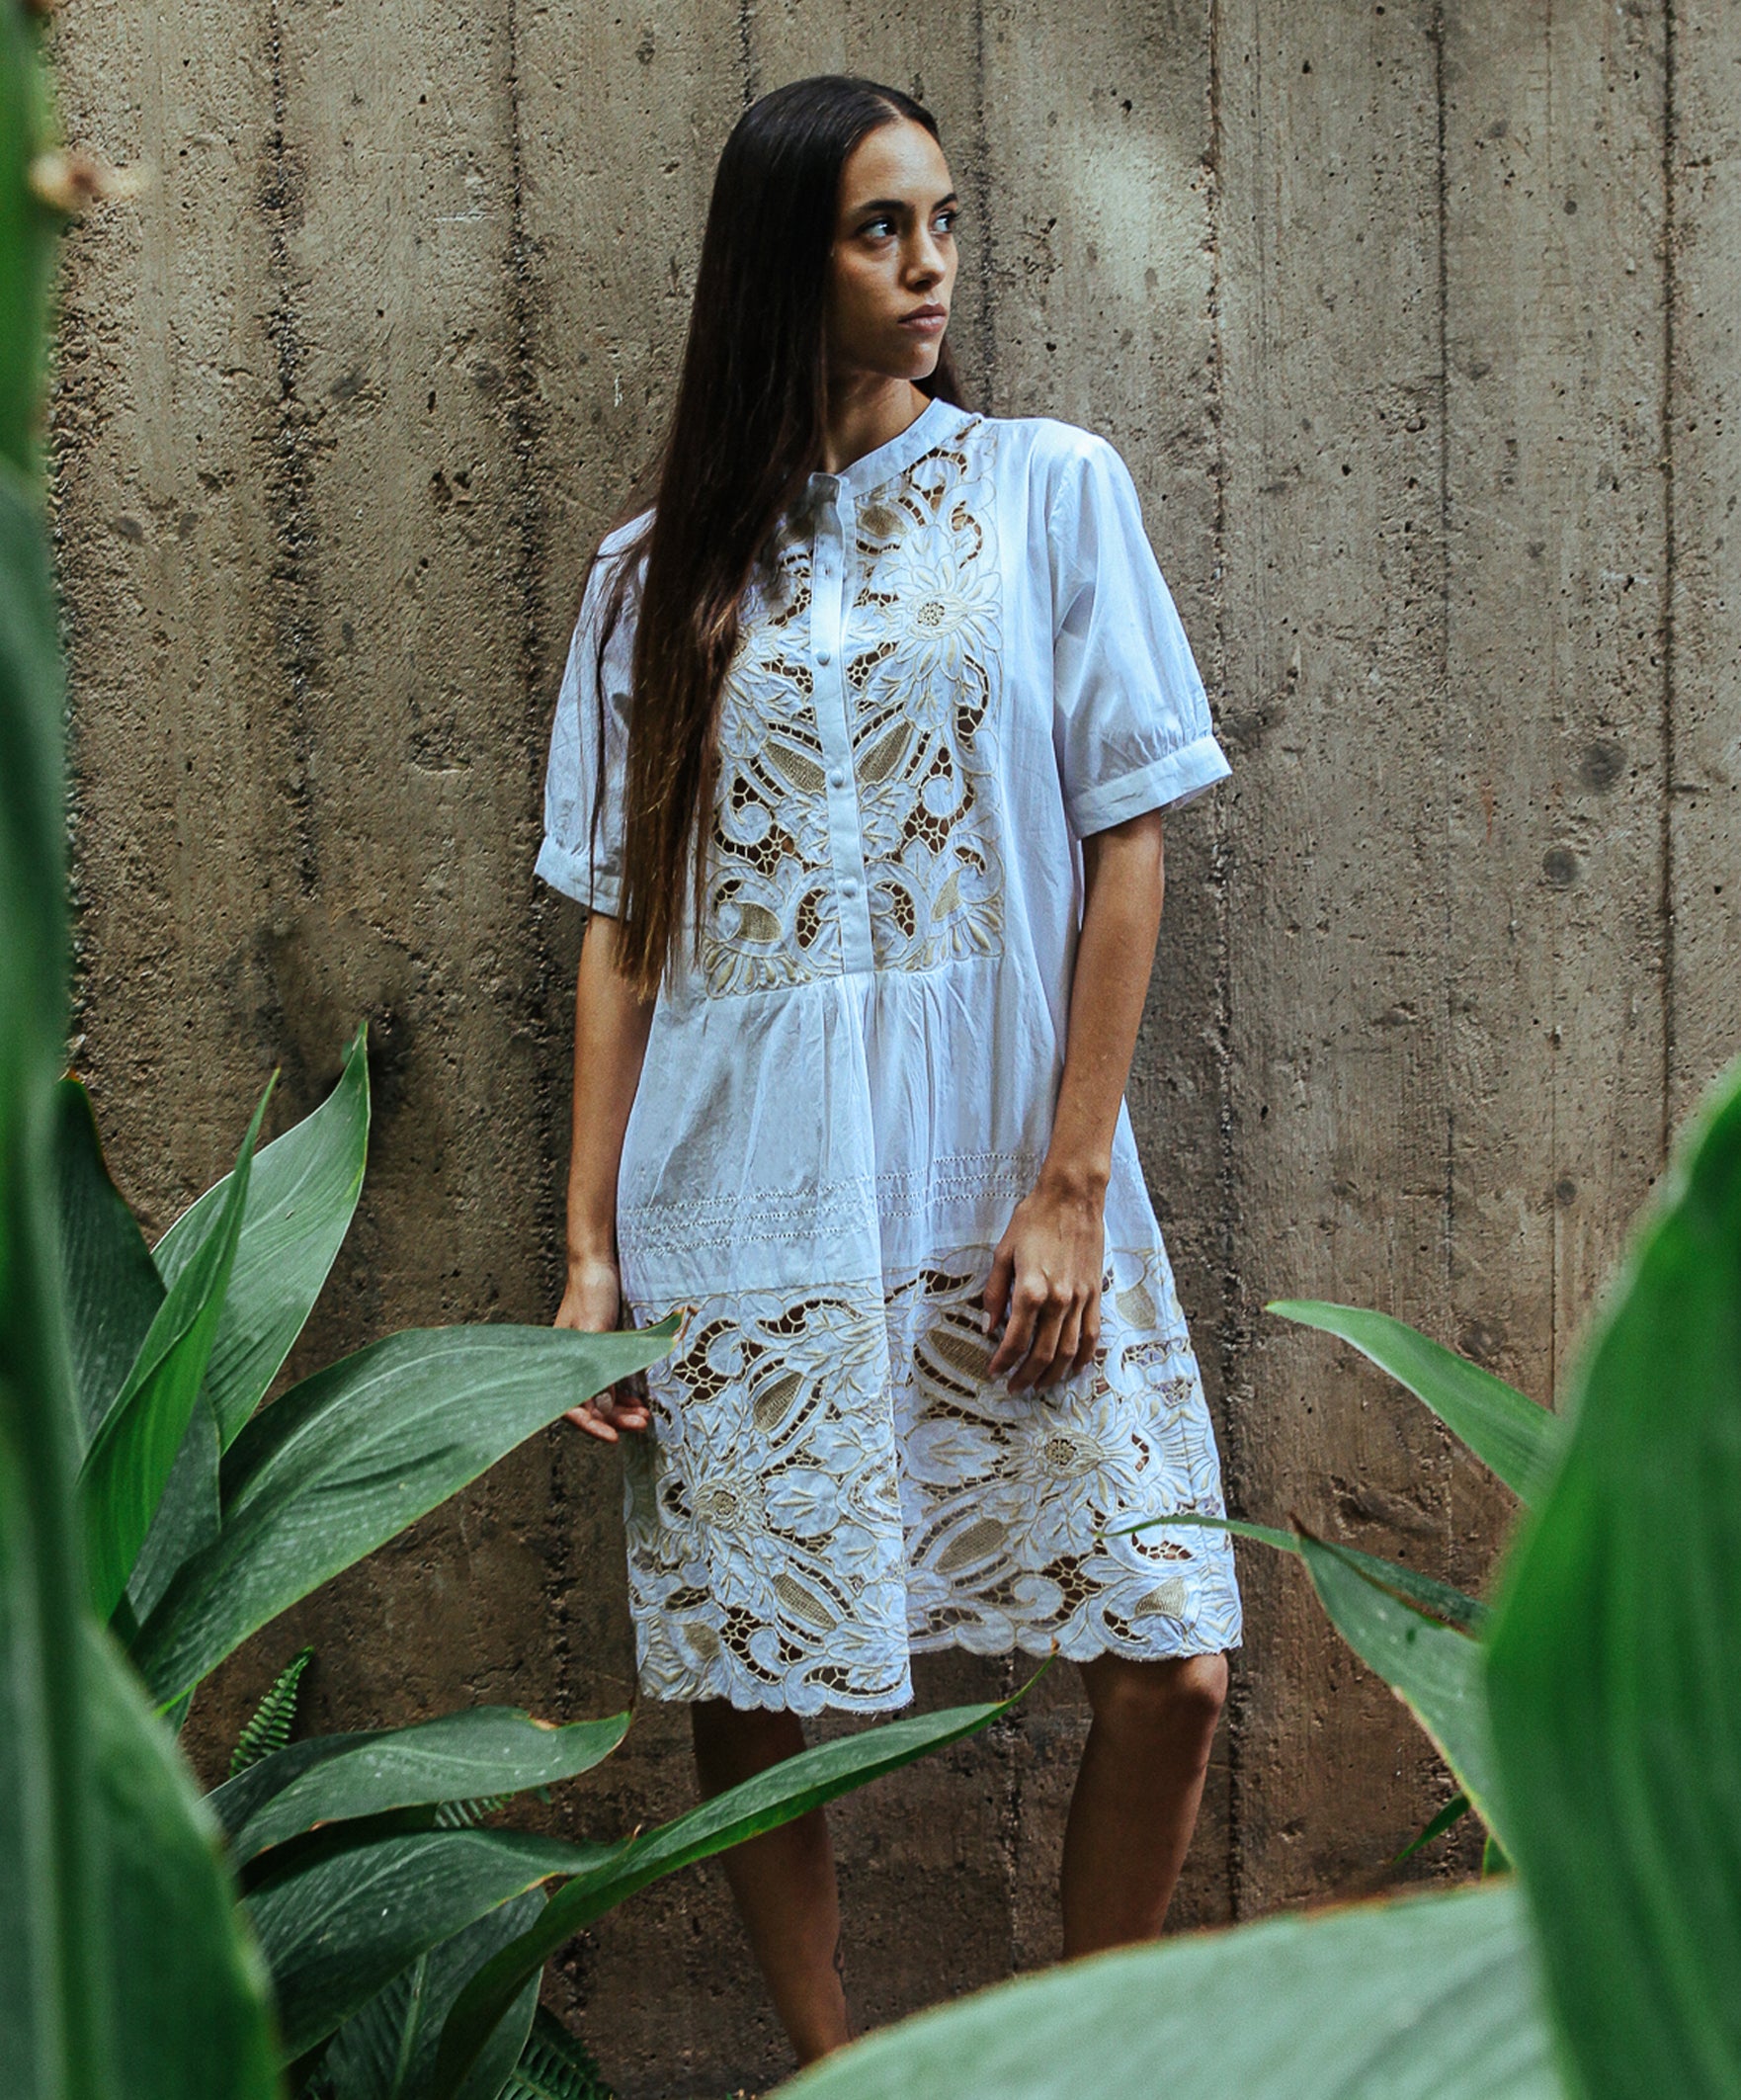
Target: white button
[(822, 657), (849, 888), (837, 779)]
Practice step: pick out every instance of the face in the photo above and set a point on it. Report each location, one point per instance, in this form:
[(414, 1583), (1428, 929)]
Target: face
[(893, 254)]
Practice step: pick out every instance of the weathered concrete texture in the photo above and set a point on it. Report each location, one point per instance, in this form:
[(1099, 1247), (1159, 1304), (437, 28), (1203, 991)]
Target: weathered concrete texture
[(1417, 324)]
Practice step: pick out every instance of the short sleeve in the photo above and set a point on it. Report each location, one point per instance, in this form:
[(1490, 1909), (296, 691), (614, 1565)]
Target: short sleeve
[(582, 863), (1130, 720)]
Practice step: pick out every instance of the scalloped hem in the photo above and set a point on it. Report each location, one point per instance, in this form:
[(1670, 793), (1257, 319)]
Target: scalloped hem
[(1028, 1640)]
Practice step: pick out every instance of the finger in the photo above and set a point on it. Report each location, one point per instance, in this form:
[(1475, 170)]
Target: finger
[(1043, 1350), (585, 1417), (629, 1410), (1024, 1304), (996, 1296), (1090, 1340), (1069, 1341)]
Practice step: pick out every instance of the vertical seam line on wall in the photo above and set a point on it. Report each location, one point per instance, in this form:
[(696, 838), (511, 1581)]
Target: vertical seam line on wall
[(558, 1584), (981, 165), (746, 50), (1447, 756), (1670, 294), (1219, 856), (288, 472), (1012, 1731)]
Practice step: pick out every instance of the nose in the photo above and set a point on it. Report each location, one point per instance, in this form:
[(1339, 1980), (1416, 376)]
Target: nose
[(926, 260)]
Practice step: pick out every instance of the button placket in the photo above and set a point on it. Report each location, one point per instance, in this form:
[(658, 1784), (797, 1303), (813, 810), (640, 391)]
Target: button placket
[(828, 579)]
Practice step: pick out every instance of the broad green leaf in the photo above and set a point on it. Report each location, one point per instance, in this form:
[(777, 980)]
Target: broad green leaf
[(1435, 1670), (387, 2050), (187, 1518), (338, 1929), (774, 1796), (484, 1750), (345, 1461), (246, 1791), (1431, 1998), (1437, 1599), (113, 1288), (301, 1196), (1614, 1678), (189, 1988), (54, 2028), (28, 233), (1505, 1429), (132, 1451)]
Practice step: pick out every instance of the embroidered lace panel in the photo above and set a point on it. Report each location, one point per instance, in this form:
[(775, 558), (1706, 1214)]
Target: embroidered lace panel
[(921, 676), (830, 1485)]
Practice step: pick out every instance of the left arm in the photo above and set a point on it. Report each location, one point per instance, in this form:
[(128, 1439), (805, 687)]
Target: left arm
[(1046, 1271)]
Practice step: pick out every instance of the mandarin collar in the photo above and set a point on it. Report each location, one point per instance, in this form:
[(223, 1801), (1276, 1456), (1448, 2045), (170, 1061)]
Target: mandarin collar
[(936, 419)]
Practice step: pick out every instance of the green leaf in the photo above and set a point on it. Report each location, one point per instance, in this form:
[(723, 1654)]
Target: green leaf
[(1437, 1599), (113, 1288), (132, 1451), (497, 1750), (386, 2050), (1615, 1681), (1505, 1429), (186, 1520), (268, 1731), (301, 1196), (1435, 1670), (54, 2024), (1431, 1998), (27, 244), (245, 1791), (1447, 1818), (189, 1990), (340, 1928), (345, 1461), (774, 1796)]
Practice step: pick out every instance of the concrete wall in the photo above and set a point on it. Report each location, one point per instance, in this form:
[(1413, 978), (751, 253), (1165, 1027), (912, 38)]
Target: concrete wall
[(1418, 323)]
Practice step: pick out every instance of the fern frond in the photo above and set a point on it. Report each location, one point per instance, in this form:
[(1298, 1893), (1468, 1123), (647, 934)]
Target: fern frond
[(462, 1814), (270, 1729), (554, 2065)]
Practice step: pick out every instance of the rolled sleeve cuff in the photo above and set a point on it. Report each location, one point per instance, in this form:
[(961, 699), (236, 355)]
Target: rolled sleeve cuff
[(575, 877), (1169, 784)]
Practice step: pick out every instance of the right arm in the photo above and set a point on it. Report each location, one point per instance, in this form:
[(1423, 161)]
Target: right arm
[(611, 1025)]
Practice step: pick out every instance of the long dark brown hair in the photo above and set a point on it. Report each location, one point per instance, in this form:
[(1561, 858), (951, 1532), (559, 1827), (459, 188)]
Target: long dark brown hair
[(745, 435)]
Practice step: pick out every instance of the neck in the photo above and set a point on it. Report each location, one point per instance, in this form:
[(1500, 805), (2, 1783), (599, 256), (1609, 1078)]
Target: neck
[(864, 412)]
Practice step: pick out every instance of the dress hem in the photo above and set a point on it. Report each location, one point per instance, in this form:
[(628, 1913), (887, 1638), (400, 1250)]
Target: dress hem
[(1026, 1644)]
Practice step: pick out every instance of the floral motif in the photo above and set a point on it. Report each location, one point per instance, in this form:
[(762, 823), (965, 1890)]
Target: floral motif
[(921, 674), (771, 916), (920, 670), (832, 1486)]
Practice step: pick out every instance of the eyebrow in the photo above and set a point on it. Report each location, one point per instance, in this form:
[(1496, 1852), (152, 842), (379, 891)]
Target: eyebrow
[(899, 203)]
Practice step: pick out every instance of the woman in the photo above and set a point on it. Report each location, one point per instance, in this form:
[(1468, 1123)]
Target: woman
[(848, 1080)]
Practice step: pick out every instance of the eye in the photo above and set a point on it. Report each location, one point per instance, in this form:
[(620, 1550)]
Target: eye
[(870, 226)]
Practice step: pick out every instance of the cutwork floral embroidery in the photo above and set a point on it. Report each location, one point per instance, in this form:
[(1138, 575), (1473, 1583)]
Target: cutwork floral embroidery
[(921, 676), (778, 1555)]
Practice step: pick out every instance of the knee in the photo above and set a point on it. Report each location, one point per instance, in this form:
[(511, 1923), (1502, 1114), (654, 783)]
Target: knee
[(1180, 1699)]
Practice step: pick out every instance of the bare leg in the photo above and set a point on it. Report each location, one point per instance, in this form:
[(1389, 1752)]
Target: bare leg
[(782, 1881), (1136, 1794)]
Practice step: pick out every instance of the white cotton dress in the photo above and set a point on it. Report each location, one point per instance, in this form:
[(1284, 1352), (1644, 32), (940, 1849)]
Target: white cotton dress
[(964, 659)]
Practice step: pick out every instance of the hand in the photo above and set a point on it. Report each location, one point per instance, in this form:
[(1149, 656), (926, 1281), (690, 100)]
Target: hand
[(1045, 1275), (593, 1304)]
